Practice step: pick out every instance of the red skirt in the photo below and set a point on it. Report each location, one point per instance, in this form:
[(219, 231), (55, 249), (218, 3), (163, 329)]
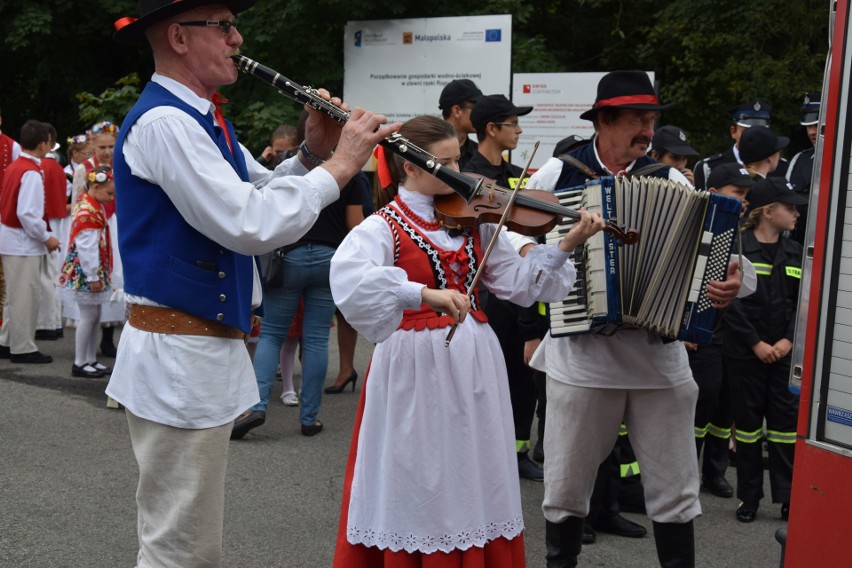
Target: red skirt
[(498, 553)]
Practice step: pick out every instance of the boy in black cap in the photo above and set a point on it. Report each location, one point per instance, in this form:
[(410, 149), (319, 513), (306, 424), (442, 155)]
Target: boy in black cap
[(671, 146), (743, 117), (713, 418), (495, 119), (456, 103), (760, 150), (758, 338), (802, 165)]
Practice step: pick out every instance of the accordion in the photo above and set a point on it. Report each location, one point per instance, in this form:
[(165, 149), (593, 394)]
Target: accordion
[(659, 283)]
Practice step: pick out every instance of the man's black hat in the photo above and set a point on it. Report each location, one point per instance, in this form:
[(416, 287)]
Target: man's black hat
[(458, 91), (810, 108), (753, 113), (758, 143), (625, 89), (672, 139), (492, 107), (131, 30), (729, 173), (774, 190)]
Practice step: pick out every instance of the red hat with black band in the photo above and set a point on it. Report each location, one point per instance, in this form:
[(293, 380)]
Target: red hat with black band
[(625, 89), (130, 30)]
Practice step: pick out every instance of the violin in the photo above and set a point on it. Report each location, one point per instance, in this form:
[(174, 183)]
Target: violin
[(534, 213)]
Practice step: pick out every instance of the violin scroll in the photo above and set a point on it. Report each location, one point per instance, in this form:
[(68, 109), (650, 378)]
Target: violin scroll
[(624, 236)]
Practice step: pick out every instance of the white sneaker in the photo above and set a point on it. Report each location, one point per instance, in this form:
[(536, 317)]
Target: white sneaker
[(290, 399)]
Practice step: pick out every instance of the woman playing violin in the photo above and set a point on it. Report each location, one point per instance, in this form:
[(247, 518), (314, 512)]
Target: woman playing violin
[(432, 477)]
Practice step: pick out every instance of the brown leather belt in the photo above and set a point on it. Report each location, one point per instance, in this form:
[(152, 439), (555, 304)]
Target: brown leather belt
[(170, 320)]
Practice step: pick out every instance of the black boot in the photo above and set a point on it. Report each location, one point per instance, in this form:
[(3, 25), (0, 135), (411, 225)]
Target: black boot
[(675, 544), (564, 541), (107, 345)]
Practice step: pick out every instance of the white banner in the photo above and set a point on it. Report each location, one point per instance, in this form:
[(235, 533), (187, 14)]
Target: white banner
[(558, 100), (399, 67)]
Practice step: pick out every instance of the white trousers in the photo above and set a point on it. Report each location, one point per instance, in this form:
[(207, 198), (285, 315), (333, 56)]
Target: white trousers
[(582, 427), (181, 493), (49, 307), (20, 308)]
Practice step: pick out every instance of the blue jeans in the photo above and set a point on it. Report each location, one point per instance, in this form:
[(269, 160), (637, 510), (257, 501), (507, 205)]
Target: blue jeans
[(305, 276)]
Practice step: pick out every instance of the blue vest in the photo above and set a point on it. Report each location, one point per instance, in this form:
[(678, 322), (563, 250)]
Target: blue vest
[(572, 177), (164, 258)]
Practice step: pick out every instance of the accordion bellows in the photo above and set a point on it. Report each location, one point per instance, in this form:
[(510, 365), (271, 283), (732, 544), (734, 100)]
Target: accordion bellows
[(658, 283)]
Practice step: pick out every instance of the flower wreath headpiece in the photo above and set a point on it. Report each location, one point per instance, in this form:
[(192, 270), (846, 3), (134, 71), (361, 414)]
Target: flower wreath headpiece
[(105, 127), (78, 139), (100, 176)]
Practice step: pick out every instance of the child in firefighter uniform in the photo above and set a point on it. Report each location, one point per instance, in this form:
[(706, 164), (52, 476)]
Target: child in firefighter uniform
[(758, 340)]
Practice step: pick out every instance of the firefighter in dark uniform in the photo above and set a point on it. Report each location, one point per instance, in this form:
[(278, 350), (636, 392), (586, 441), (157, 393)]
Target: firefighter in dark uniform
[(802, 165), (758, 338), (496, 121), (742, 117), (713, 416), (456, 102)]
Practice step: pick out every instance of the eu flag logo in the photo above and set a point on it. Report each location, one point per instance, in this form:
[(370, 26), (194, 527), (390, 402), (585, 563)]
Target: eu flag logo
[(494, 35)]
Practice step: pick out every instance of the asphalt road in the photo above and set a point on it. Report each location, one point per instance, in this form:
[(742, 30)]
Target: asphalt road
[(68, 479)]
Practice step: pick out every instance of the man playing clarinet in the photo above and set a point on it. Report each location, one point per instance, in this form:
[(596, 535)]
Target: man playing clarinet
[(194, 207)]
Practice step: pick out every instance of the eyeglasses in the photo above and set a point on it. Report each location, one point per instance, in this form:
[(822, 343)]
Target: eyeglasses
[(514, 124), (224, 24)]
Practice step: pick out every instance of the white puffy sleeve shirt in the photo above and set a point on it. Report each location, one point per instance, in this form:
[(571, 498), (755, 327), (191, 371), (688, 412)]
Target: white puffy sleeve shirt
[(191, 381)]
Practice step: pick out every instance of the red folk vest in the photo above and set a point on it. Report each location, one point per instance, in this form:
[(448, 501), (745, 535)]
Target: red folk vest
[(6, 145), (428, 264), (55, 184), (10, 189)]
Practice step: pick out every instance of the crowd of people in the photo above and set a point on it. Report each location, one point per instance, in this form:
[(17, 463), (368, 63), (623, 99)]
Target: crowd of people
[(442, 434)]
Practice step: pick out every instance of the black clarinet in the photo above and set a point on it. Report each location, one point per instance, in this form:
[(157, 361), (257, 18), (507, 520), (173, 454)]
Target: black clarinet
[(466, 186)]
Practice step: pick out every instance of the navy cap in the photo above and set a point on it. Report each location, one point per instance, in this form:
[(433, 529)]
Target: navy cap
[(774, 190), (672, 139), (810, 108), (729, 173), (758, 143), (458, 91), (569, 143), (492, 107), (754, 113)]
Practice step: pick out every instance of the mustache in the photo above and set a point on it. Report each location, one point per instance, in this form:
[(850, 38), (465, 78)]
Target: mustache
[(640, 140)]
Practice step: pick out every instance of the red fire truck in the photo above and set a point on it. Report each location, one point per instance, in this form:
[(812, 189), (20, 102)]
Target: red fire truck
[(820, 527)]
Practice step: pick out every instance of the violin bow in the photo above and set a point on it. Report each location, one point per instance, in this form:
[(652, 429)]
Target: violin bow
[(494, 237)]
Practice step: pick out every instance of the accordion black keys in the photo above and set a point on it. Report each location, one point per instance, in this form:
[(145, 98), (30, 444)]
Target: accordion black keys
[(658, 283)]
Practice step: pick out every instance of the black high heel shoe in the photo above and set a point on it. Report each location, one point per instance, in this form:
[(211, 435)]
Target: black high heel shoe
[(353, 378)]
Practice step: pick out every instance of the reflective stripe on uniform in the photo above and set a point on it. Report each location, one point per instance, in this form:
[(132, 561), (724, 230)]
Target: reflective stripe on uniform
[(629, 469), (542, 310), (718, 432), (762, 269), (781, 437), (749, 437), (522, 445), (794, 272), (622, 430), (700, 432)]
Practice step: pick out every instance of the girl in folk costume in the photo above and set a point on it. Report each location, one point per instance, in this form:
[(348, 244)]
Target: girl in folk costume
[(79, 150), (432, 476), (102, 137), (85, 274)]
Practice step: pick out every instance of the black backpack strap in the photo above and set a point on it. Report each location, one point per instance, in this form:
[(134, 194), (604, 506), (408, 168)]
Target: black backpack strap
[(648, 170), (571, 160)]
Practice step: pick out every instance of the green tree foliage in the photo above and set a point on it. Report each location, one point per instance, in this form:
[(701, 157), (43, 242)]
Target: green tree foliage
[(707, 54)]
